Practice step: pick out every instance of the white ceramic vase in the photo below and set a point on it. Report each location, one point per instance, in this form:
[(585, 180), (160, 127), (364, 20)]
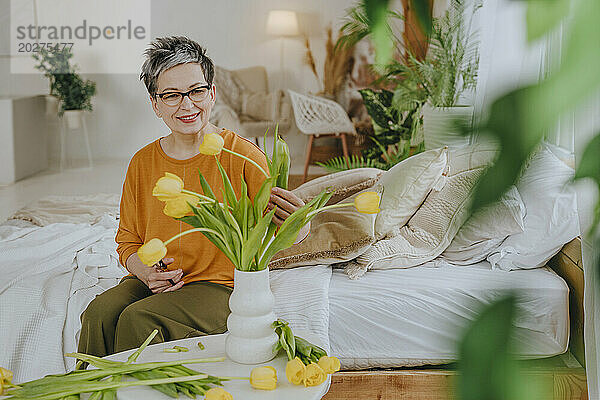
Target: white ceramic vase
[(251, 338), (73, 118), (438, 130)]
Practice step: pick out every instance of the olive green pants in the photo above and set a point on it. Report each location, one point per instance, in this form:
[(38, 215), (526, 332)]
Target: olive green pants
[(122, 317)]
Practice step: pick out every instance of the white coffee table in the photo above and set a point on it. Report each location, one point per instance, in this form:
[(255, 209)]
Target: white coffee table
[(214, 346)]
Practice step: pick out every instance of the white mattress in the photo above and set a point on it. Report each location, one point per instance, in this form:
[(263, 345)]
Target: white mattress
[(416, 316)]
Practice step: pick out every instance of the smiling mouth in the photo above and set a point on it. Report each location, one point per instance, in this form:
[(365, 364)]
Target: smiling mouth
[(188, 118)]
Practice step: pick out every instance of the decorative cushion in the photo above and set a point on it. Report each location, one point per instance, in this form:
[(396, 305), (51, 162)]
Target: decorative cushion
[(343, 184), (431, 229), (551, 220), (335, 236), (262, 106), (406, 185), (487, 229), (229, 88)]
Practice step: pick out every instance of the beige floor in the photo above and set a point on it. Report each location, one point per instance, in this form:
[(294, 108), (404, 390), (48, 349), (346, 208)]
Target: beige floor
[(106, 177)]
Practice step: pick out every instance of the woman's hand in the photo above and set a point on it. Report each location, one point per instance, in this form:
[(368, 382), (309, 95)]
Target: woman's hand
[(286, 202), (159, 280)]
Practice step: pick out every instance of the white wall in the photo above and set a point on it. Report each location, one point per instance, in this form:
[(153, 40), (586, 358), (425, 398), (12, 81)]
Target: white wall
[(233, 31)]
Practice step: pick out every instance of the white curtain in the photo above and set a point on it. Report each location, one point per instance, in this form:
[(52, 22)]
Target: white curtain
[(507, 61)]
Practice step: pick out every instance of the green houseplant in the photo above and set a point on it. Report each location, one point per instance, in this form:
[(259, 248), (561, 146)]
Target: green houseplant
[(73, 93), (439, 81), (426, 92)]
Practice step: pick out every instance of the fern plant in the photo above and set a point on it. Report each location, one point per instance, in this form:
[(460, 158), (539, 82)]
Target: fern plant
[(448, 70), (337, 164)]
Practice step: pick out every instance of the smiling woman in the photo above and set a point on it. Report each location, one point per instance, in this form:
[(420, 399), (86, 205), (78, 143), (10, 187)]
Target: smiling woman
[(186, 293)]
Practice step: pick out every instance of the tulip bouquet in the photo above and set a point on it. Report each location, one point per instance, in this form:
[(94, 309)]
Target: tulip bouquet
[(238, 226), (307, 364)]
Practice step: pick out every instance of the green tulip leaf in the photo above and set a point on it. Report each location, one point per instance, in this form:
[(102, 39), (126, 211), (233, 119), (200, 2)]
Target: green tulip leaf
[(589, 167), (206, 189), (485, 362), (251, 245), (544, 15), (229, 193), (376, 11), (262, 197), (423, 12)]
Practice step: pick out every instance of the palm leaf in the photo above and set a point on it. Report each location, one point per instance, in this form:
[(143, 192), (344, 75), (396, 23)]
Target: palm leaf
[(337, 164)]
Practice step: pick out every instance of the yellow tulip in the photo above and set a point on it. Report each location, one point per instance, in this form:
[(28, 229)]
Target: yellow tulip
[(367, 202), (212, 144), (152, 252), (294, 371), (263, 378), (168, 187), (218, 393), (5, 378), (314, 375), (329, 364), (5, 375), (179, 206)]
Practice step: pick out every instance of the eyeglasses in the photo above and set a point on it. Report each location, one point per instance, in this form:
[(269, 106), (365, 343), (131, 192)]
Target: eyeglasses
[(175, 98)]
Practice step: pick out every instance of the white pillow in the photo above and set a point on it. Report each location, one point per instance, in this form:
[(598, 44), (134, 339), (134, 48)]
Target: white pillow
[(487, 229), (551, 219), (435, 223), (406, 185)]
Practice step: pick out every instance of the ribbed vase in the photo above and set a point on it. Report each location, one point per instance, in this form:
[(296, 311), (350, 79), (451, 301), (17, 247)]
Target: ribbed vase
[(251, 338)]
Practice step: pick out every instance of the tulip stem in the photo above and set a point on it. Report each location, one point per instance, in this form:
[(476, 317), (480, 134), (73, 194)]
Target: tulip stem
[(310, 214), (194, 230), (234, 377), (208, 199), (197, 194), (249, 160)]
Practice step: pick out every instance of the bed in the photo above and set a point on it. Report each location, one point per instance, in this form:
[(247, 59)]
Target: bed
[(560, 283), (416, 316)]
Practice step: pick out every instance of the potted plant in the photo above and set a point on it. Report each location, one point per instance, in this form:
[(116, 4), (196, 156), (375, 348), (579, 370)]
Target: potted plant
[(440, 80), (245, 233), (73, 93), (392, 134), (432, 83)]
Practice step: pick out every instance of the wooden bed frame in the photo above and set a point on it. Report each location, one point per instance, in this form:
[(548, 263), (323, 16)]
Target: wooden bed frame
[(563, 376)]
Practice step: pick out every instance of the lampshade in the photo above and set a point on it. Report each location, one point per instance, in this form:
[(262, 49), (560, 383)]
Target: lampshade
[(282, 23)]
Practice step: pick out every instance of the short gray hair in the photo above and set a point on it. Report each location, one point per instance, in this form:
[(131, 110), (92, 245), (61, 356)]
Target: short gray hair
[(167, 52)]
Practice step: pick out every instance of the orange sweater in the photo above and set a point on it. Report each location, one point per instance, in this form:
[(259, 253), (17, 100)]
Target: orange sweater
[(142, 217)]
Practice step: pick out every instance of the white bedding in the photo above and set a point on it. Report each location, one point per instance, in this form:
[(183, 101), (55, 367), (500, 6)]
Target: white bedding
[(415, 316), (51, 274), (388, 318)]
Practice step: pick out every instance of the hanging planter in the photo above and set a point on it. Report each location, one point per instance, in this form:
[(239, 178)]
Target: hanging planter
[(439, 129)]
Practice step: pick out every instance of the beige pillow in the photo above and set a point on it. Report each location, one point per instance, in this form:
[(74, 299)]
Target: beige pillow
[(229, 88), (261, 106), (343, 184), (431, 229), (406, 185), (335, 236)]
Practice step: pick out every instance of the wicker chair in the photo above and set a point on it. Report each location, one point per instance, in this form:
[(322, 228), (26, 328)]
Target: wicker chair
[(319, 117)]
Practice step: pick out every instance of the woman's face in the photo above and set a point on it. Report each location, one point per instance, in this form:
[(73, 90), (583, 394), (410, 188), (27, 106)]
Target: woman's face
[(188, 117)]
